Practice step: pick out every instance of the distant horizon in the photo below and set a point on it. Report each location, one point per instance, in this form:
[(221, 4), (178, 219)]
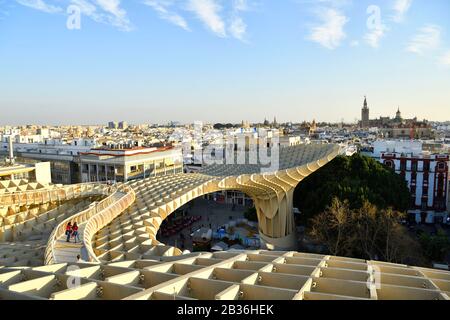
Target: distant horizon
[(181, 122), (270, 119)]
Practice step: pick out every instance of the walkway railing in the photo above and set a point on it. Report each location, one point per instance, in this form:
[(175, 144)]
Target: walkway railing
[(104, 217), (41, 196), (80, 218)]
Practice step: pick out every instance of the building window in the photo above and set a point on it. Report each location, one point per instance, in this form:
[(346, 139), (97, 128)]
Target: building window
[(413, 202), (403, 165), (424, 203), (413, 178), (389, 164)]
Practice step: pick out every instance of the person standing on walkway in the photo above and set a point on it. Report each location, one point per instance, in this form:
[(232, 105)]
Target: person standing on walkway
[(75, 233), (68, 231)]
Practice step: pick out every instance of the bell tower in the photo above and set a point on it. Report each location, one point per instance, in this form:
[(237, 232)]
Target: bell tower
[(365, 115)]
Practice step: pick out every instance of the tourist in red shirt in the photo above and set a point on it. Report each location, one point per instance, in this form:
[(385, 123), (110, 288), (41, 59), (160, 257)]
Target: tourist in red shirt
[(75, 233), (68, 231)]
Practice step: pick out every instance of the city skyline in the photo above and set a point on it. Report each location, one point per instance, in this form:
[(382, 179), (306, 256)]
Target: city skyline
[(271, 120), (155, 61)]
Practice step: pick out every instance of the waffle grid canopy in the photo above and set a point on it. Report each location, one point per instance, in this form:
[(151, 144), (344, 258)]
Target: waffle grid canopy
[(119, 225)]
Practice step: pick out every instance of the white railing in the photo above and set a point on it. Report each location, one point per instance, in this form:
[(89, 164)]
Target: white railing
[(41, 196), (104, 217), (79, 218)]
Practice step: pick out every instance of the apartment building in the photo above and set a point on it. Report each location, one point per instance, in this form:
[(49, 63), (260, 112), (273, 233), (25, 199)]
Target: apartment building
[(125, 164), (62, 155), (426, 174), (39, 172)]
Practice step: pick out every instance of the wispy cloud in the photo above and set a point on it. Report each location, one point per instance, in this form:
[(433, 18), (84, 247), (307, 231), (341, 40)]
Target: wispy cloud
[(373, 37), (331, 32), (222, 21), (117, 15), (163, 8), (401, 7), (40, 5), (376, 27), (445, 59), (102, 11), (427, 39), (238, 28), (209, 12)]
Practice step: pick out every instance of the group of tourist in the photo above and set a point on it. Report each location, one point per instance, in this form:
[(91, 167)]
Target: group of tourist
[(72, 232)]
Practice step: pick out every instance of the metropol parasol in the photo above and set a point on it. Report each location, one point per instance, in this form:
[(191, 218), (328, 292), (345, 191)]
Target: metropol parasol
[(119, 226)]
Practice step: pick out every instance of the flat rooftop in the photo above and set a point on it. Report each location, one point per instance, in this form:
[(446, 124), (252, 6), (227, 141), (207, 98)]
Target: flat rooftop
[(16, 168)]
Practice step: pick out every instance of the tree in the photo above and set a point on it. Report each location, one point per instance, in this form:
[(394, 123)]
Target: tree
[(251, 215), (435, 246), (357, 179), (367, 233), (331, 228)]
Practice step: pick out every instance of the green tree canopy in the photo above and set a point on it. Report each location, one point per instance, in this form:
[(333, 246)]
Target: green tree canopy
[(435, 246), (357, 179), (251, 215)]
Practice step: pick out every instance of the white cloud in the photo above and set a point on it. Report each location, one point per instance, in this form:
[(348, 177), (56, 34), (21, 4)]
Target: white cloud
[(401, 7), (117, 15), (376, 28), (374, 36), (238, 28), (208, 11), (3, 9), (240, 5), (40, 5), (102, 11), (87, 9), (163, 8), (331, 32), (445, 59), (428, 38)]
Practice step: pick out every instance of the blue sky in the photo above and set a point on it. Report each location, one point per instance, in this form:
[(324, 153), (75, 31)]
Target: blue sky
[(149, 61)]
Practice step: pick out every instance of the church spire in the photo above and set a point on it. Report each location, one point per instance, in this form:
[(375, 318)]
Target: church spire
[(398, 115), (365, 102)]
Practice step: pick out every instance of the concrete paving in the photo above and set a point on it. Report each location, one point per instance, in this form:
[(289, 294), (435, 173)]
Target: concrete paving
[(213, 215), (68, 251)]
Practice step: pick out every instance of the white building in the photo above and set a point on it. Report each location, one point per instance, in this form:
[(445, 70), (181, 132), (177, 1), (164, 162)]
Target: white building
[(122, 165), (426, 174)]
